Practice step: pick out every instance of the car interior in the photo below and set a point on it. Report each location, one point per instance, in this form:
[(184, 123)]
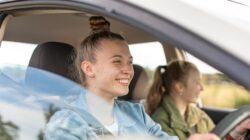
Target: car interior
[(56, 31)]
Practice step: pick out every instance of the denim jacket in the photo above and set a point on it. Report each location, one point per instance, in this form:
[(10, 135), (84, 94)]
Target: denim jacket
[(68, 124)]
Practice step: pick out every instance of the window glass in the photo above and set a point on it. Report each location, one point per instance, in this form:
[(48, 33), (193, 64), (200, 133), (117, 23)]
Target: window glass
[(15, 56), (149, 55), (219, 90)]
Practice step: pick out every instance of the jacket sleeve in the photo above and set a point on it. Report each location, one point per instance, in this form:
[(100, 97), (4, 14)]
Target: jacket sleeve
[(154, 128)]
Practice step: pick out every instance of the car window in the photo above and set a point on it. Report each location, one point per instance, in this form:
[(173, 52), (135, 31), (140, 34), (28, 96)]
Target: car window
[(15, 56), (149, 55), (25, 113), (219, 90)]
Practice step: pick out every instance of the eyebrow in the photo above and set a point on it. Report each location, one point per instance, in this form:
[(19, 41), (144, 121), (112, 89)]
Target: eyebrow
[(120, 56)]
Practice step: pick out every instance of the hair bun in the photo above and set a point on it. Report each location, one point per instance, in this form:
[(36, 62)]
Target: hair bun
[(98, 23)]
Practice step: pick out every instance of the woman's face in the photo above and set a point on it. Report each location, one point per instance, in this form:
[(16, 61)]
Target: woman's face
[(113, 68), (193, 87)]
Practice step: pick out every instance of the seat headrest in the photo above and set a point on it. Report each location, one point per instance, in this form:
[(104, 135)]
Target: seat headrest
[(138, 88), (55, 57)]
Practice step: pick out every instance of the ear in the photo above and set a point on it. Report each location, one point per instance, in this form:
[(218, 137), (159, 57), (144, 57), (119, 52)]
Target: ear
[(86, 67), (179, 87)]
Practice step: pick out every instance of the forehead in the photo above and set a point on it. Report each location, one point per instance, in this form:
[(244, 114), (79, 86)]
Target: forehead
[(113, 47), (194, 74)]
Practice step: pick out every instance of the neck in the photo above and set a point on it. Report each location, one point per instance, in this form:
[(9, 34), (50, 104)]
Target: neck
[(180, 104), (107, 97), (101, 107)]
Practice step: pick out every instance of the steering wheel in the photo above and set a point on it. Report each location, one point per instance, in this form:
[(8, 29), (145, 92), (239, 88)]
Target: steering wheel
[(232, 120)]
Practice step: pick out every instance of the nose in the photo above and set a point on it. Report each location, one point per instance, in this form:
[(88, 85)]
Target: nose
[(129, 70), (201, 87)]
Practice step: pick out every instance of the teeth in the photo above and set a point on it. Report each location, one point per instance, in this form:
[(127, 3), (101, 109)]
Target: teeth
[(124, 81)]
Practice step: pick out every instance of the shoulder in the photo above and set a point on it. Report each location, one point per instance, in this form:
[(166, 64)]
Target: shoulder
[(160, 115), (164, 110)]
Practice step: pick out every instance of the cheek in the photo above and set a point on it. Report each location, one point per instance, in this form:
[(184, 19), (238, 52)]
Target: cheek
[(108, 74), (192, 95), (104, 68), (192, 91)]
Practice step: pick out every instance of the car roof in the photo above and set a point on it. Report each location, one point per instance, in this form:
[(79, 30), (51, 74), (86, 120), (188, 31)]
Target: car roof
[(62, 25)]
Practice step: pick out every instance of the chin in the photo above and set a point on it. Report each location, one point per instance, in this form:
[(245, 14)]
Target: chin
[(123, 92), (120, 92)]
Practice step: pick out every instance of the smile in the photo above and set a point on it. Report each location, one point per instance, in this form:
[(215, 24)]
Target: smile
[(124, 81)]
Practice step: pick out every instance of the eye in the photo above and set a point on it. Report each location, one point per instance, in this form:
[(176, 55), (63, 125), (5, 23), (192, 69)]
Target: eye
[(131, 62), (117, 61)]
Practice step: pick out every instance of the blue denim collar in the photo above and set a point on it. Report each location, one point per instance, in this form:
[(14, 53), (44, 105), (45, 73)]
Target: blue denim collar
[(80, 102), (123, 119)]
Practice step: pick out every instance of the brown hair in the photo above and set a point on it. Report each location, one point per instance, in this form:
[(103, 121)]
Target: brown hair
[(164, 77), (100, 30)]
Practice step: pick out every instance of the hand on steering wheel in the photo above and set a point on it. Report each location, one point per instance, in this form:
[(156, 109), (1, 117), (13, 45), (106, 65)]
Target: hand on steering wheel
[(241, 130), (237, 124)]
